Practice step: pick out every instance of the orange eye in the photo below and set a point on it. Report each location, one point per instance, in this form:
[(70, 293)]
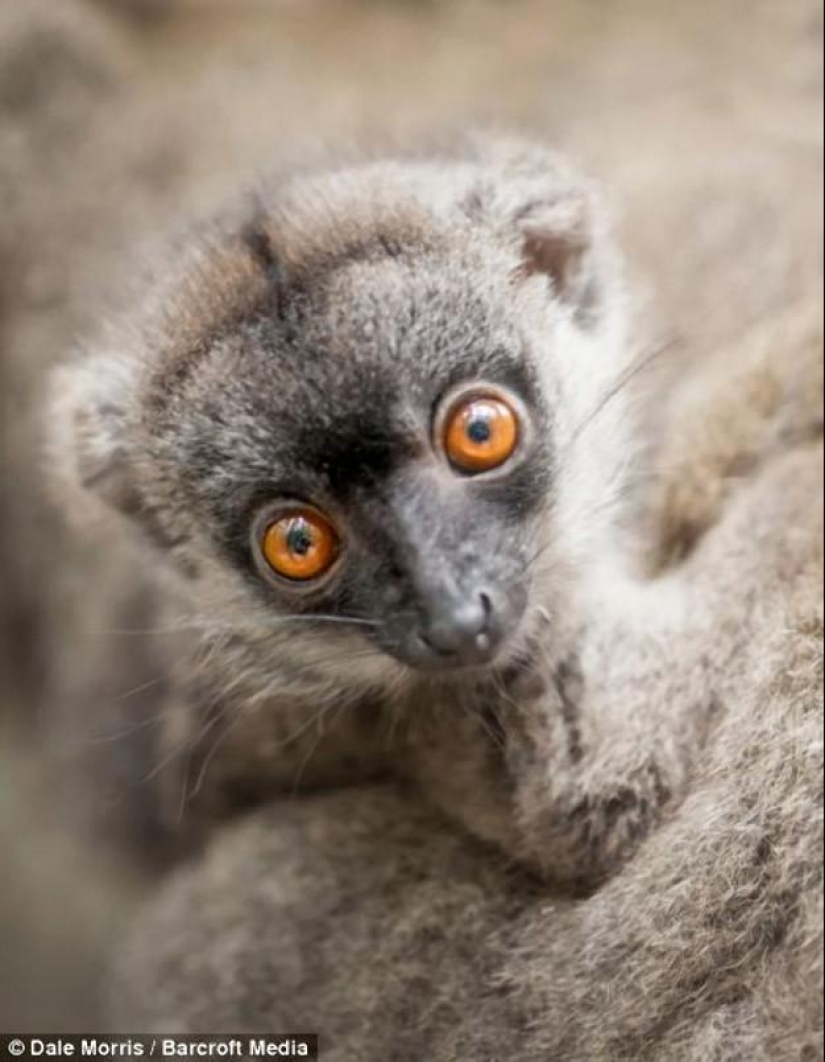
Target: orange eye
[(300, 545), (481, 433)]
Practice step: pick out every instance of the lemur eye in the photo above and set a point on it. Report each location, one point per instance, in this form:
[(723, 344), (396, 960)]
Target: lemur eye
[(481, 432), (300, 544)]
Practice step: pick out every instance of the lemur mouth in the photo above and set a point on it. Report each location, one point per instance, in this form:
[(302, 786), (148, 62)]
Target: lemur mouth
[(498, 649), (481, 651), (462, 633), (484, 650), (474, 632), (443, 663)]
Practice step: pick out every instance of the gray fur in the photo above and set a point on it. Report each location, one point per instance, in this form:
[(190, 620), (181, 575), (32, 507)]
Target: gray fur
[(726, 226), (595, 750), (301, 352), (707, 945), (300, 349)]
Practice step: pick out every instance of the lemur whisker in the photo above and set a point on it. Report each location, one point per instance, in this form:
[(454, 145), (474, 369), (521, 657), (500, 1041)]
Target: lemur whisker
[(181, 748), (214, 710), (142, 688), (621, 383), (190, 794), (313, 748), (128, 731), (279, 621)]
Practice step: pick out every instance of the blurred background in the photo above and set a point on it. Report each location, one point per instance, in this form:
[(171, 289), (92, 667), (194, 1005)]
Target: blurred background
[(703, 119)]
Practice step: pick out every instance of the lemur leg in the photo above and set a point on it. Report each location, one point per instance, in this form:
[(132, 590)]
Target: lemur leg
[(721, 913), (596, 776)]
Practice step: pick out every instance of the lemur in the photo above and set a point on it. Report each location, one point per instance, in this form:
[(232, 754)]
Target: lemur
[(372, 425)]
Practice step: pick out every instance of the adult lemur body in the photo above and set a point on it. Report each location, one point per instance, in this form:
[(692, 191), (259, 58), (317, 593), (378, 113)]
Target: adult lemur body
[(376, 423)]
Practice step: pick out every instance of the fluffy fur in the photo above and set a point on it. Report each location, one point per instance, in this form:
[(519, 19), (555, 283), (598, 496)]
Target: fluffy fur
[(298, 351), (707, 945), (723, 219), (333, 312), (597, 751)]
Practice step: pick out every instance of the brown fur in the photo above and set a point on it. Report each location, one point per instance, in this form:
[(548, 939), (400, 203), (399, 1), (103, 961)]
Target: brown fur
[(764, 395), (768, 82), (665, 733), (707, 945)]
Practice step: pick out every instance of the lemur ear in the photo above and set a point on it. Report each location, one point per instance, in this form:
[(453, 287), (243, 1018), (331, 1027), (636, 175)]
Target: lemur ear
[(87, 433), (560, 222), (559, 242)]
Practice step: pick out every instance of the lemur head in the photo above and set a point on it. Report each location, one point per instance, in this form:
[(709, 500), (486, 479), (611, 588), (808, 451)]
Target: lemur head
[(349, 417)]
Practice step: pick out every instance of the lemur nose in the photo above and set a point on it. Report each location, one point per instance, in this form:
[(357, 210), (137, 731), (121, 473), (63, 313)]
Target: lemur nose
[(464, 628)]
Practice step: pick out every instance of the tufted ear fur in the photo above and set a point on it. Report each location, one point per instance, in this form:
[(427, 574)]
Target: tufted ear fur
[(559, 242), (98, 461), (88, 435), (559, 220)]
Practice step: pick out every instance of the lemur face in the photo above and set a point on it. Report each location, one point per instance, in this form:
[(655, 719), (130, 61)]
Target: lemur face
[(354, 414), (387, 464)]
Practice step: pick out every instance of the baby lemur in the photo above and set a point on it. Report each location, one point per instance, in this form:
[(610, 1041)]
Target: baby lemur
[(333, 912), (374, 419)]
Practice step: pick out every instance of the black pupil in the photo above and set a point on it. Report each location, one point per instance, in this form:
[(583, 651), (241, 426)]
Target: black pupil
[(299, 538), (479, 430)]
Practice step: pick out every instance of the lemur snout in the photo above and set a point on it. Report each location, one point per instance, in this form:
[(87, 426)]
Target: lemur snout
[(465, 630)]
